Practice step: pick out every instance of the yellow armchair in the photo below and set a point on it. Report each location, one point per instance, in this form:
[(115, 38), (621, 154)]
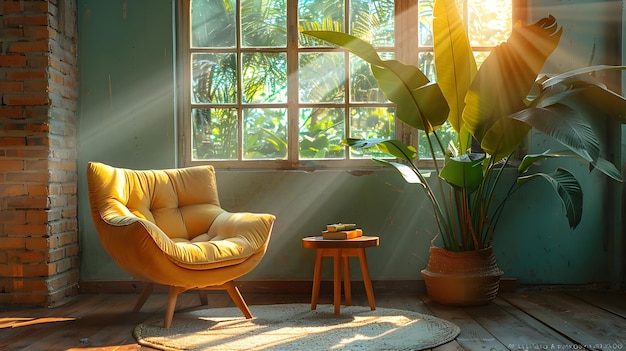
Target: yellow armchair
[(167, 227)]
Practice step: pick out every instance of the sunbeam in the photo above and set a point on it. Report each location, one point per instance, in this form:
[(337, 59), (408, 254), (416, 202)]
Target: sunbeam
[(15, 322)]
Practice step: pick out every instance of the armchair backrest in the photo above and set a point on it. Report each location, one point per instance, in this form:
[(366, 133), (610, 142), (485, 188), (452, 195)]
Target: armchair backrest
[(182, 202)]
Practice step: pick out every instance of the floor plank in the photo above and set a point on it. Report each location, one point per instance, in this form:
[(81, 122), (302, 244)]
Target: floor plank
[(76, 332), (514, 328), (39, 323), (514, 321), (582, 323), (613, 301)]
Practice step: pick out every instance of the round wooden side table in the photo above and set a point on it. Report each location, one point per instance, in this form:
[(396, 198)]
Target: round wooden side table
[(341, 250)]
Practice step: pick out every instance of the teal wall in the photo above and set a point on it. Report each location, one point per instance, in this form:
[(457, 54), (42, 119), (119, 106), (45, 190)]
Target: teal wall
[(127, 118), (126, 112)]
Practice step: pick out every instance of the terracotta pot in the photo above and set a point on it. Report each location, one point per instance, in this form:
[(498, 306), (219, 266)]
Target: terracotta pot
[(466, 278)]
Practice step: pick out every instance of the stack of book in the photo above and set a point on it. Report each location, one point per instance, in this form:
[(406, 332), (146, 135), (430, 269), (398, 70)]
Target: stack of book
[(341, 231)]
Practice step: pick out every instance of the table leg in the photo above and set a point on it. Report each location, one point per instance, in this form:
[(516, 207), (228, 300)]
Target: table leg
[(337, 280), (346, 280), (317, 274), (366, 279)]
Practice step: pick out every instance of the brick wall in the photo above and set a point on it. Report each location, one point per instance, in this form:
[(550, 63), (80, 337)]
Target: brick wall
[(39, 252)]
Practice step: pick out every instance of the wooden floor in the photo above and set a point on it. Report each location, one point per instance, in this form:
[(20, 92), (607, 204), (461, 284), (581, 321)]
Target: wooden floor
[(537, 320)]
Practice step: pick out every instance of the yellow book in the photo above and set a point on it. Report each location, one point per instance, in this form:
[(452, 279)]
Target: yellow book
[(342, 234), (339, 227)]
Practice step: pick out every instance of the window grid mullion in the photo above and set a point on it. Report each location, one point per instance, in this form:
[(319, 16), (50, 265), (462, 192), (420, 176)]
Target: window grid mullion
[(406, 27), (347, 118), (239, 102), (293, 82)]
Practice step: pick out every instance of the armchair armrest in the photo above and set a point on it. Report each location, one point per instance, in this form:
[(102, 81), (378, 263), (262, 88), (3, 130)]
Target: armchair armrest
[(255, 227)]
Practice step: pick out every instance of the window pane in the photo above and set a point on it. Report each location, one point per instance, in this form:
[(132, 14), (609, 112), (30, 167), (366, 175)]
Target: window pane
[(373, 21), (321, 133), (426, 64), (318, 15), (322, 77), (490, 21), (372, 122), (213, 23), (265, 133), (425, 29), (214, 134), (214, 78), (446, 134), (363, 85), (264, 78), (264, 23), (425, 22)]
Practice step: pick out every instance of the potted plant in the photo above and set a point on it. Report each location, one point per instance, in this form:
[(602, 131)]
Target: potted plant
[(492, 109)]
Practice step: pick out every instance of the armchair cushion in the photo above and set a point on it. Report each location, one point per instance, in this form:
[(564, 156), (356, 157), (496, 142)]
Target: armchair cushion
[(232, 238)]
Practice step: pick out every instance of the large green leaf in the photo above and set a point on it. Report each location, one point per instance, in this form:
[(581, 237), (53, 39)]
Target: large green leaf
[(392, 147), (600, 163), (503, 137), (607, 168), (353, 44), (395, 148), (579, 85), (566, 126), (568, 189), (578, 74), (419, 104), (464, 172), (507, 76), (531, 159), (454, 53), (408, 173)]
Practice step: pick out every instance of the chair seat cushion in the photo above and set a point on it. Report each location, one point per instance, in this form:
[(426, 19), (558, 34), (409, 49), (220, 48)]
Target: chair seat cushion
[(232, 239), (210, 254)]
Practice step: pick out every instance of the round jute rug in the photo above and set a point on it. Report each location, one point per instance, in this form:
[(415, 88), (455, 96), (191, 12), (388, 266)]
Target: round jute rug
[(294, 327)]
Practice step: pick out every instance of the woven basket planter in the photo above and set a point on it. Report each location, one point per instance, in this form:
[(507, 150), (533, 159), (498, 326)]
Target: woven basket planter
[(467, 278)]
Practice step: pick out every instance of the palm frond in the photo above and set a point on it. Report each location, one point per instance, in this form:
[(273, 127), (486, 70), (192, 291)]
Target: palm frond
[(568, 190)]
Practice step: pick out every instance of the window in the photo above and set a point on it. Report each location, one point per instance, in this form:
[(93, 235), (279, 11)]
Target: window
[(257, 94)]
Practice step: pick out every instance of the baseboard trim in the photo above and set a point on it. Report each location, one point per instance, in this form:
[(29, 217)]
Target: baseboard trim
[(277, 286)]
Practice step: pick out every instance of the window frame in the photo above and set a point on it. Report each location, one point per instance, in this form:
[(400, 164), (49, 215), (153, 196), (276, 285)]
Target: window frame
[(406, 30)]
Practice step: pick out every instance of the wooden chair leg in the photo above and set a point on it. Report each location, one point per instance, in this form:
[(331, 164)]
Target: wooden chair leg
[(203, 297), (143, 297), (172, 295), (235, 295)]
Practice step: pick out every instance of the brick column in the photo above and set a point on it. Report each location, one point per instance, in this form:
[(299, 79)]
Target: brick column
[(38, 180)]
